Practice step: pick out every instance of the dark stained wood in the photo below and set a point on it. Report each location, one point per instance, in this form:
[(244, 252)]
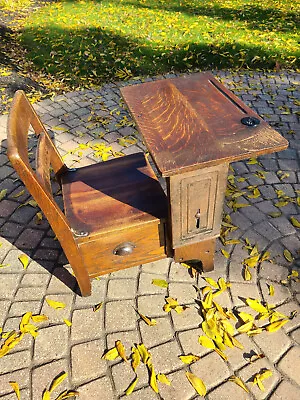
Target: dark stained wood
[(21, 117), (114, 195), (194, 121), (203, 251), (196, 204), (112, 203)]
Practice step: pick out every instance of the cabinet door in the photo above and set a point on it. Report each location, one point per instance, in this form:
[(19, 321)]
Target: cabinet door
[(196, 204)]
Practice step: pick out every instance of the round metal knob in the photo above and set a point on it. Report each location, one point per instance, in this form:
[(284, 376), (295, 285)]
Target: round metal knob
[(250, 121), (124, 249)]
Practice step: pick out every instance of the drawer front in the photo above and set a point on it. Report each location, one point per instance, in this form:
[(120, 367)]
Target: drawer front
[(196, 202), (122, 249)]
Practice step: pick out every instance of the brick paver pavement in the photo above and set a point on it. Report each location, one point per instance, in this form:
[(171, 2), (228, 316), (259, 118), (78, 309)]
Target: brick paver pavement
[(79, 121)]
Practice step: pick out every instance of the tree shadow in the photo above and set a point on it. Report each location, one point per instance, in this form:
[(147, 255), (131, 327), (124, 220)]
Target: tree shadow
[(20, 226), (69, 55)]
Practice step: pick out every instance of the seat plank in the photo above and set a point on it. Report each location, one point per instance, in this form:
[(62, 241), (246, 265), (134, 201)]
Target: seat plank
[(113, 195)]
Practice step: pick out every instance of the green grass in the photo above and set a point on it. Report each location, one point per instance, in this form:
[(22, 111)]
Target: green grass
[(86, 42)]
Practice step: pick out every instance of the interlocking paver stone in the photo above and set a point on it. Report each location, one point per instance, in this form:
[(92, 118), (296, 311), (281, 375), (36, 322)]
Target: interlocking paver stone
[(99, 387), (43, 375), (79, 347), (21, 376), (273, 345), (228, 390), (121, 289), (212, 370), (51, 343), (281, 293), (289, 362), (86, 361), (180, 388), (154, 335), (86, 324), (120, 315), (286, 389)]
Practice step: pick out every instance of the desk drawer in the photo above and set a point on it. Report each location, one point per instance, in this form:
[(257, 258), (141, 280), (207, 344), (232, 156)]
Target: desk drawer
[(196, 203), (107, 252)]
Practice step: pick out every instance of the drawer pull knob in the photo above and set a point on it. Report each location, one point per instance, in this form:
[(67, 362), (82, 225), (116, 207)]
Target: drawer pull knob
[(124, 249)]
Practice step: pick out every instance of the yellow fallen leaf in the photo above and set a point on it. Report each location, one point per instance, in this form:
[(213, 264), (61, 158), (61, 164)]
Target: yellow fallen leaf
[(294, 274), (163, 379), (258, 378), (271, 290), (239, 382), (275, 326), (245, 317), (189, 358), (67, 322), (197, 383), (24, 260), (235, 342), (97, 307), (160, 282), (66, 394), (46, 395), (38, 218), (144, 353), (295, 222), (225, 253), (149, 321), (39, 318), (111, 354), (19, 194), (55, 304), (247, 274), (206, 342), (288, 255), (251, 261), (245, 327), (207, 302), (121, 350), (131, 387), (16, 389), (180, 309), (266, 374), (153, 381), (221, 354), (211, 282), (256, 357), (256, 305), (135, 358), (255, 331), (3, 193), (57, 381)]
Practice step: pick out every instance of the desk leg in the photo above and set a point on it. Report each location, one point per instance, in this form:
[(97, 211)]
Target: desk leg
[(196, 205), (203, 251)]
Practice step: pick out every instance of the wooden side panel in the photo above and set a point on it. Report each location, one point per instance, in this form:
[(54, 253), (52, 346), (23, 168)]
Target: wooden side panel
[(196, 203), (43, 157), (98, 253), (21, 116)]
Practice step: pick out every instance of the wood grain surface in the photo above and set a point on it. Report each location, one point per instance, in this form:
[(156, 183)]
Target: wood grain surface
[(110, 196), (194, 121)]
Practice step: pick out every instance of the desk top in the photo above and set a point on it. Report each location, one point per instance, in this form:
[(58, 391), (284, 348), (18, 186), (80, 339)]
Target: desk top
[(193, 122)]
